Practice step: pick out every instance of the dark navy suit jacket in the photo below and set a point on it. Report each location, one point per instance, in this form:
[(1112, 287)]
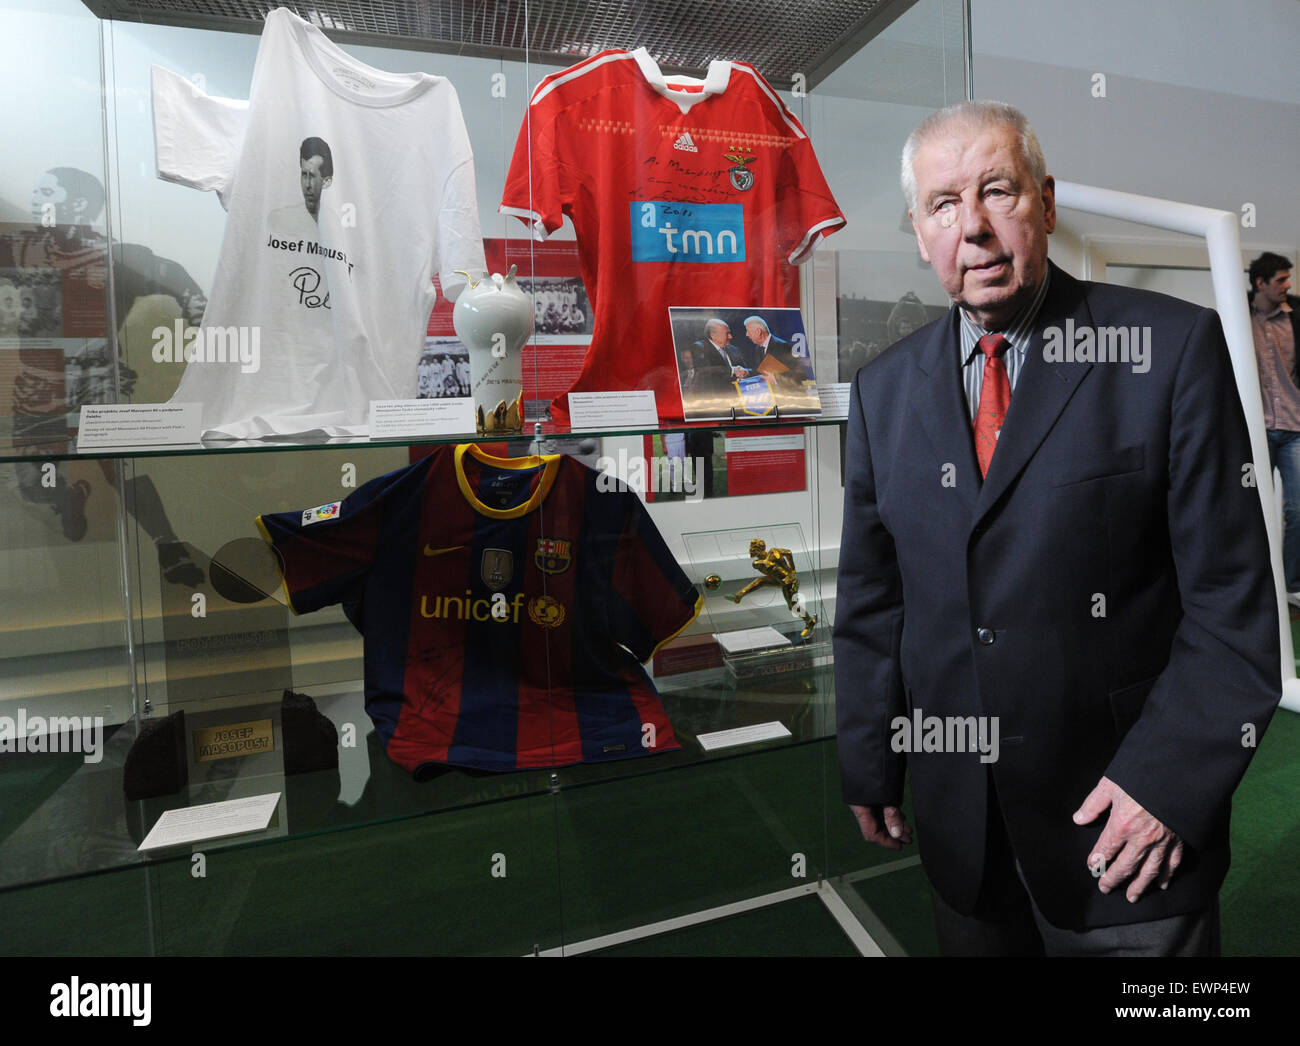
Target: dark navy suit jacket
[(966, 597)]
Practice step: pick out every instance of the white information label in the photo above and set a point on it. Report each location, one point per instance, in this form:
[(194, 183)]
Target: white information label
[(745, 639), (742, 735), (756, 444), (613, 410), (444, 417), (211, 821), (113, 425), (835, 399)]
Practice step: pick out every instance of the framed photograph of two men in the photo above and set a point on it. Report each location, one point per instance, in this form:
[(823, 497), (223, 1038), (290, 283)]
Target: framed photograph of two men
[(738, 362)]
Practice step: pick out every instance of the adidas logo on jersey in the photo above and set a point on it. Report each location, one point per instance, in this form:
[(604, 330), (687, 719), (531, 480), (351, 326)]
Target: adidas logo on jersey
[(685, 144)]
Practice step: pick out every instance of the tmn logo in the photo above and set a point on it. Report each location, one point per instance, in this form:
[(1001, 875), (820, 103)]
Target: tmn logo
[(663, 231)]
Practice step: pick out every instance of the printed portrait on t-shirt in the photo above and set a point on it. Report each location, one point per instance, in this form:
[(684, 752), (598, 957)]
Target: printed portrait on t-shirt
[(302, 218), (310, 230), (316, 164)]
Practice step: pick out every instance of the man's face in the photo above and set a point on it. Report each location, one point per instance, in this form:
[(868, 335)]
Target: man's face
[(11, 308), (1272, 293), (313, 182), (49, 192), (981, 221), (30, 306), (721, 334), (755, 332)]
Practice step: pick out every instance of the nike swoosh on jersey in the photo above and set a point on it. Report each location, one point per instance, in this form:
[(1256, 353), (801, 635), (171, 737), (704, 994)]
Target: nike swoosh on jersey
[(429, 550)]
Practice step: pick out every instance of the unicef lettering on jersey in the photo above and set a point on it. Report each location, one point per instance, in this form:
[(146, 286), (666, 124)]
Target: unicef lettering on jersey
[(663, 231)]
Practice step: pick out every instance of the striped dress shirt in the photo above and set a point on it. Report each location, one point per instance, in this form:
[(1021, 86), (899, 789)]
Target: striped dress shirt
[(1018, 333)]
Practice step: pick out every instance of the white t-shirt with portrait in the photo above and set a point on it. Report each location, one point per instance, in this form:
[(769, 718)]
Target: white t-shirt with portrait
[(322, 312)]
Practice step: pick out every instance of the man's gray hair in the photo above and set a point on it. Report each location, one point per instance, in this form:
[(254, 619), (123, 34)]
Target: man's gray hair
[(711, 325), (760, 321), (980, 114)]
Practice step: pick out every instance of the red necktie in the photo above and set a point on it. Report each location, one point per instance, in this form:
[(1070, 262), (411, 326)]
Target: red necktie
[(995, 395)]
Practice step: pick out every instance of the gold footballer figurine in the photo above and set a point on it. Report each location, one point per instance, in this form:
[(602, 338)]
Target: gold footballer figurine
[(777, 568)]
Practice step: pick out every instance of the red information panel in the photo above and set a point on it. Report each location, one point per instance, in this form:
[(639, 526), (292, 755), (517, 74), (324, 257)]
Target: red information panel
[(764, 461), (549, 273), (704, 463)]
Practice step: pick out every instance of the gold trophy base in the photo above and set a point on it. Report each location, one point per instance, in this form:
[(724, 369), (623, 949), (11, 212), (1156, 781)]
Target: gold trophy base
[(502, 418)]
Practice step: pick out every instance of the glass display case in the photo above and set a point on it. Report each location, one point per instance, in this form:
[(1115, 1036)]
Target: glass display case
[(435, 685)]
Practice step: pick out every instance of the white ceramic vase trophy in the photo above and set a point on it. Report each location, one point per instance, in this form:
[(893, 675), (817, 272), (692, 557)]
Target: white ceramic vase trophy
[(494, 318)]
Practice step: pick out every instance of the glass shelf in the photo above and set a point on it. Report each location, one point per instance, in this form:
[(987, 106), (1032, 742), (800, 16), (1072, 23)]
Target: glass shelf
[(52, 843), (65, 449)]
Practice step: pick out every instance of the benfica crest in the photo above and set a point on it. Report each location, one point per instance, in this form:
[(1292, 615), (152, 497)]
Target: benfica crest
[(742, 178), (498, 568), (553, 555)]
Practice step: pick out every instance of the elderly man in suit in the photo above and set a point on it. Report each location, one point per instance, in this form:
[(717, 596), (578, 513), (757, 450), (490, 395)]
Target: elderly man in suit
[(775, 355), (1051, 542)]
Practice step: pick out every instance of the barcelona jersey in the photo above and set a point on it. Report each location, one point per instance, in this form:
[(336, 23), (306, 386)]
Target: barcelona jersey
[(507, 606)]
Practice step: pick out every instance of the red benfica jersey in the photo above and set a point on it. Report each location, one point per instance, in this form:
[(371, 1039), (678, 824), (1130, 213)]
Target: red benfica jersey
[(681, 191)]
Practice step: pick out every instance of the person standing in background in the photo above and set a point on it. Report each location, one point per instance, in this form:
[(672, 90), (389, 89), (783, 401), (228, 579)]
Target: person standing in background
[(1276, 328)]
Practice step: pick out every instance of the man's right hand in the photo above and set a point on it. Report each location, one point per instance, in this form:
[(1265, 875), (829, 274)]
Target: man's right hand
[(883, 825)]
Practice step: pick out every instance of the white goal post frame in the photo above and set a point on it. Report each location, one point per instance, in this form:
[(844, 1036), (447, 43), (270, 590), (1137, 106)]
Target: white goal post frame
[(1219, 230)]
